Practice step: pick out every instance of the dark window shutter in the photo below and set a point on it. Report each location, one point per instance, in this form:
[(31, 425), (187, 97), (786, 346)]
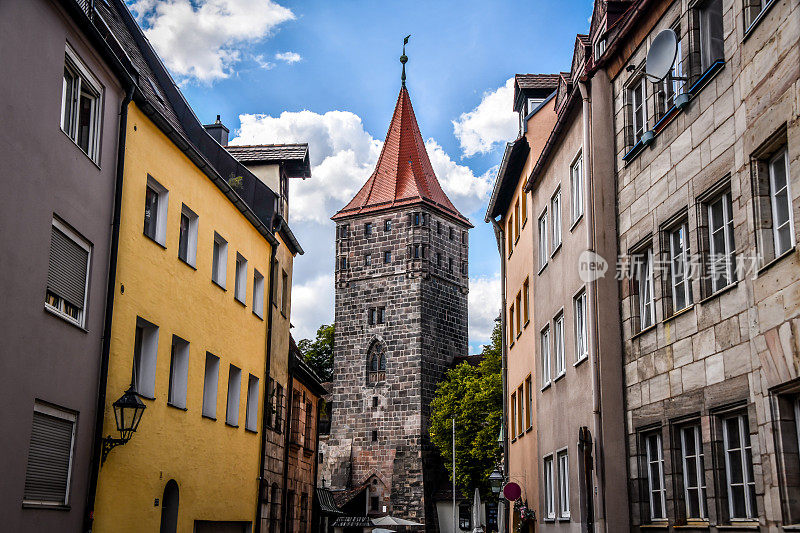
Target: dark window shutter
[(48, 459), (67, 275)]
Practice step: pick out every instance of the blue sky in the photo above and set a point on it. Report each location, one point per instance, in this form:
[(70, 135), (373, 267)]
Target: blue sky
[(328, 72)]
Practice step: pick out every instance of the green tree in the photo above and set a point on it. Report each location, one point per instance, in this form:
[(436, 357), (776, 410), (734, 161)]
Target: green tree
[(474, 397), (319, 352)]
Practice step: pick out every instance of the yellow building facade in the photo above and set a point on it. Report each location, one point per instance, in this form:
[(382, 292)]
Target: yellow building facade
[(193, 339)]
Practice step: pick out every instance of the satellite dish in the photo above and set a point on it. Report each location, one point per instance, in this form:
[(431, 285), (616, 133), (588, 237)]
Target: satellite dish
[(662, 54)]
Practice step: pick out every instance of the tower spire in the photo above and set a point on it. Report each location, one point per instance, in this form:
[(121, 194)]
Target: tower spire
[(403, 60)]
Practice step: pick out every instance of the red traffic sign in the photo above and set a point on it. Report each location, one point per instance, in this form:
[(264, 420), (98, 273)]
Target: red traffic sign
[(512, 491)]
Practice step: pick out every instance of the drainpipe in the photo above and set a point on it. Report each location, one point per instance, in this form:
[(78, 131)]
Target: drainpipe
[(265, 403), (591, 293), (97, 446), (500, 236)]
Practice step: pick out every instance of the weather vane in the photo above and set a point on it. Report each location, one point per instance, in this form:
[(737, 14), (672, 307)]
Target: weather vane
[(403, 60)]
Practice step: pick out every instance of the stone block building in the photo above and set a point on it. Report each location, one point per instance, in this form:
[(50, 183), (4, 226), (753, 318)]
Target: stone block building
[(401, 317)]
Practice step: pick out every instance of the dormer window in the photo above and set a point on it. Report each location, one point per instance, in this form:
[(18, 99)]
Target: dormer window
[(599, 48), (533, 103)]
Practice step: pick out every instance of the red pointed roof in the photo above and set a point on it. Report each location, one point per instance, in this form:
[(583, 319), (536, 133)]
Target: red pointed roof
[(403, 175)]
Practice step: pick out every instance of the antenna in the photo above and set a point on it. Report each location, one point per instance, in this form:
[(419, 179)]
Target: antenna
[(661, 56)]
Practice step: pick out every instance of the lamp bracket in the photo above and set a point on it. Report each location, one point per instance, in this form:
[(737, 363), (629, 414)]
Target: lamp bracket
[(109, 444)]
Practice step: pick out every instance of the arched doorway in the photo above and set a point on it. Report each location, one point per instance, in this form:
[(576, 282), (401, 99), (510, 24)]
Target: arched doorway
[(169, 508)]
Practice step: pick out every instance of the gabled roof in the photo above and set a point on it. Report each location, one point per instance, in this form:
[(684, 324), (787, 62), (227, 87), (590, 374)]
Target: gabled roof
[(533, 86), (295, 156), (505, 184), (404, 174)]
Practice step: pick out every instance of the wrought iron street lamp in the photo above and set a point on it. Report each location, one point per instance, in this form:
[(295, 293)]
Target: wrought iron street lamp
[(496, 481), (127, 414)]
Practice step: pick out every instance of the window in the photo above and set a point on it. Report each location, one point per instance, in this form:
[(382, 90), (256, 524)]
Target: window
[(295, 423), (680, 268), (672, 85), (452, 233), (67, 273), (555, 214), (561, 363), (781, 201), (752, 10), (520, 411), (516, 221), (533, 103), (210, 386), (528, 402), (145, 347), (308, 434), (50, 449), (274, 508), (464, 238), (510, 235), (284, 293), (739, 477), (374, 435), (438, 259), (251, 415), (637, 99), (563, 484), (240, 283), (376, 361), (368, 260), (599, 48), (511, 325), (722, 267), (463, 268), (519, 314), (155, 211), (694, 481), (187, 239), (374, 401), (278, 407), (387, 225), (545, 353), (81, 105), (543, 249), (343, 263), (581, 327), (438, 227), (524, 207), (371, 314), (234, 391), (655, 475), (415, 219), (381, 318), (576, 180), (513, 420), (178, 372), (416, 251), (303, 513), (465, 516), (219, 261), (270, 422), (258, 293), (526, 298), (450, 264), (368, 229), (712, 42), (549, 496), (290, 510), (344, 231), (643, 281), (387, 256)]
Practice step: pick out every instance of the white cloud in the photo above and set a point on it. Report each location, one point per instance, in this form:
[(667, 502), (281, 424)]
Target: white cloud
[(343, 155), (484, 307), (491, 123), (288, 57), (203, 39)]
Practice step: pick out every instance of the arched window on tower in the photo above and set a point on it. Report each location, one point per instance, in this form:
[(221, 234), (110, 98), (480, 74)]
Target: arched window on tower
[(376, 363)]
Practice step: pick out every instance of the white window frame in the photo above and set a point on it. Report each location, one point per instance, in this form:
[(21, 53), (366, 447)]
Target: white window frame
[(219, 262), (191, 236), (544, 254), (146, 359), (655, 458), (234, 395), (742, 451), (49, 410), (644, 282), (84, 76), (558, 337), (544, 348), (580, 307), (162, 204), (83, 243), (576, 186), (549, 488), (637, 93), (679, 254), (210, 386), (728, 254), (240, 280), (699, 470), (555, 215), (773, 196), (258, 293), (178, 373), (562, 462)]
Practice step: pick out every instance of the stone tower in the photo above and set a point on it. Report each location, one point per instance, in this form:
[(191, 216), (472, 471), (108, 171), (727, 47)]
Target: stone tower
[(401, 317)]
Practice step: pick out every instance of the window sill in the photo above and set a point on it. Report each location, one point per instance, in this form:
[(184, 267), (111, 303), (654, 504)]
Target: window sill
[(555, 250), (546, 386), (559, 376), (214, 418), (49, 506), (235, 426), (530, 428), (772, 262), (178, 407), (187, 263), (720, 292), (579, 361), (239, 301), (564, 518), (751, 28), (526, 324), (253, 431), (163, 246), (575, 223), (655, 525), (644, 331), (215, 282), (740, 526), (66, 318), (541, 269), (151, 398), (791, 527), (693, 524), (258, 316), (676, 314), (308, 452)]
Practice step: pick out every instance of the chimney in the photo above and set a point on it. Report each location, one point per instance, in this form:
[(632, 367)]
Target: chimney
[(218, 131)]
